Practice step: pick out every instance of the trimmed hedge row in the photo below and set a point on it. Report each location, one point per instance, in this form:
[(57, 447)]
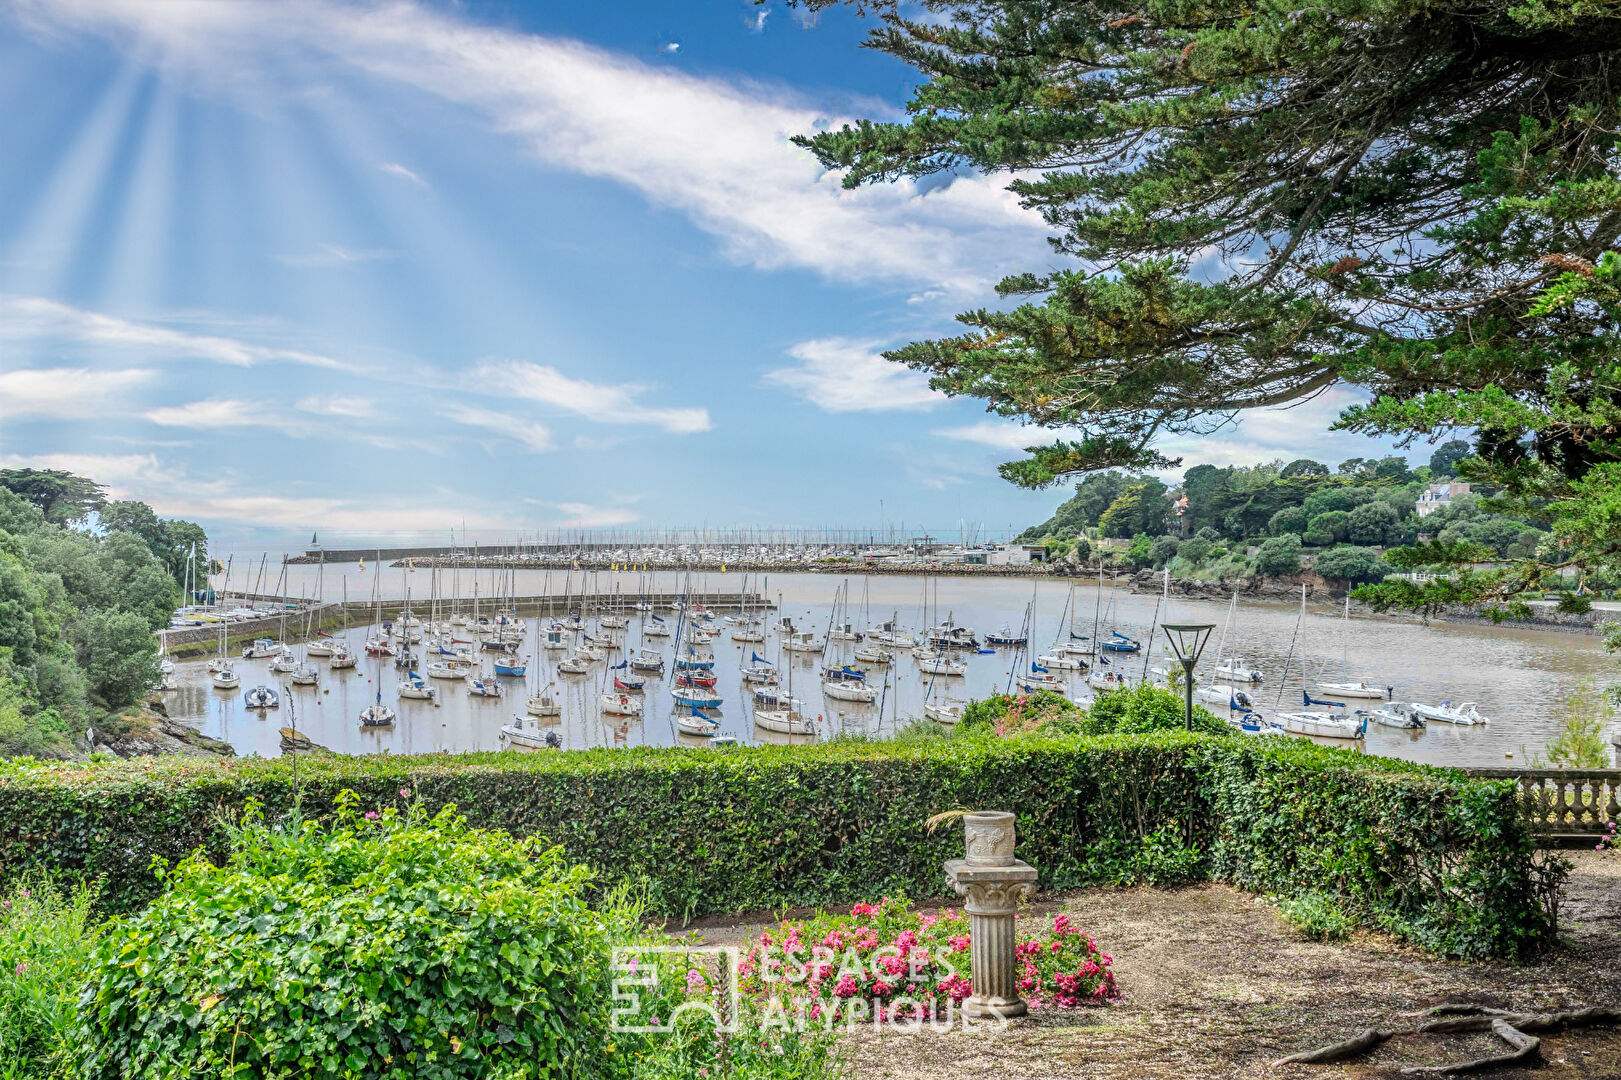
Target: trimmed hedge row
[(1425, 853)]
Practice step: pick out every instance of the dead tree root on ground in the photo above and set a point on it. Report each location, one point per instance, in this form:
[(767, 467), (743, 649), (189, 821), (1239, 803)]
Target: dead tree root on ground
[(1514, 1028)]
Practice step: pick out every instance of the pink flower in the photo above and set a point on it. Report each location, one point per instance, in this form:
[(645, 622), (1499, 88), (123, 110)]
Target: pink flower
[(960, 944), (863, 908), (846, 987), (405, 793), (372, 815)]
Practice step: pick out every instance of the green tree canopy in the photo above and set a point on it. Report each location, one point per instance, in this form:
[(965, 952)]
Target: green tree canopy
[(1354, 565), (1279, 556), (61, 496), (1416, 199), (1444, 462)]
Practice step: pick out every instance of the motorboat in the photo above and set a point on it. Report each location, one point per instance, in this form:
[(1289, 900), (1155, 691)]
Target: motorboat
[(261, 698), (1465, 714), (1239, 670), (621, 705), (1322, 725), (1352, 690), (260, 649), (844, 632), (1063, 661), (1042, 680), (784, 722), (874, 654), (419, 690), (948, 635), (525, 733), (285, 663), (1107, 680), (803, 642), (1005, 635), (556, 640), (849, 691), (1393, 714), (947, 712), (1222, 694), (889, 633)]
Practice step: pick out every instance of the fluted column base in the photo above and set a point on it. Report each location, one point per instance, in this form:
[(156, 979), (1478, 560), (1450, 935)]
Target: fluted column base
[(992, 894)]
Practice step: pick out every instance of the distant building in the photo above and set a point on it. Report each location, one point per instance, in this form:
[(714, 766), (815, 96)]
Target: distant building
[(1438, 495)]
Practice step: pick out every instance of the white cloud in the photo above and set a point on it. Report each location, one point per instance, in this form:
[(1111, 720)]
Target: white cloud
[(532, 435), (714, 150), (594, 401), (670, 48), (757, 24), (846, 375), (37, 318), (336, 255), (394, 168), (217, 413), (1004, 436), (348, 408), (577, 515), (68, 393)]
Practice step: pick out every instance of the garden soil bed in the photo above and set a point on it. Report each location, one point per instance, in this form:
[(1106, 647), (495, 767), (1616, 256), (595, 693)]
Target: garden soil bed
[(1216, 984)]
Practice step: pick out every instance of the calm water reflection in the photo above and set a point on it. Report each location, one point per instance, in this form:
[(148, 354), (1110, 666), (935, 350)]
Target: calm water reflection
[(1520, 678)]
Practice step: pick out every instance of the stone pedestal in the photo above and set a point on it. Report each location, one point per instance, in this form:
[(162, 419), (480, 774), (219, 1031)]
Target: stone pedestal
[(992, 881)]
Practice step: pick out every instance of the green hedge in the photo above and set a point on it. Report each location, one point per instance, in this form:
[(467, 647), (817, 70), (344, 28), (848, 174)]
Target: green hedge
[(1424, 853)]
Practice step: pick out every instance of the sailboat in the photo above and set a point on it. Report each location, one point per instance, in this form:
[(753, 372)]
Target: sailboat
[(415, 687), (377, 714), (544, 704), (1359, 689)]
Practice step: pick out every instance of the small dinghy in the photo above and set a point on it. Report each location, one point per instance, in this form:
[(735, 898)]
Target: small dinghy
[(261, 698), (1466, 714)]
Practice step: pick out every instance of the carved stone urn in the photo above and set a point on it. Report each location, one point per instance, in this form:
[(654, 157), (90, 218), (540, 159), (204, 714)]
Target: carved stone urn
[(992, 881)]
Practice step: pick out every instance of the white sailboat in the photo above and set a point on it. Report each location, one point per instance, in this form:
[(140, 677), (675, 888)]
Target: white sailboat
[(1322, 725)]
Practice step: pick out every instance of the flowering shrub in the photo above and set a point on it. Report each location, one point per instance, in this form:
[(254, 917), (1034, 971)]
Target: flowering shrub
[(1607, 842), (1067, 970), (888, 962)]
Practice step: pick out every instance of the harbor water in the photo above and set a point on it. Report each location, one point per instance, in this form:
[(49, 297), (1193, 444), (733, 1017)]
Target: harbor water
[(1521, 679)]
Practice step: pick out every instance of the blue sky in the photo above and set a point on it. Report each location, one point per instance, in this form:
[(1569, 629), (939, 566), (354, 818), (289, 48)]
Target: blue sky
[(384, 269)]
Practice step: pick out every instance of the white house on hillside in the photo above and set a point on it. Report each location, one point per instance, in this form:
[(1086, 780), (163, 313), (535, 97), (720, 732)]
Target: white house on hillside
[(1437, 496)]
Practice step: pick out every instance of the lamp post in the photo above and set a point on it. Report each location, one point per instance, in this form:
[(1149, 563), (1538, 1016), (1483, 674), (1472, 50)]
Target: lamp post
[(1187, 642)]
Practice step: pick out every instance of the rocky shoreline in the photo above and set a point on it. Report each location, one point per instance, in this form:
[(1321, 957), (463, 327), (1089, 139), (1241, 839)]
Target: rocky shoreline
[(150, 732)]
